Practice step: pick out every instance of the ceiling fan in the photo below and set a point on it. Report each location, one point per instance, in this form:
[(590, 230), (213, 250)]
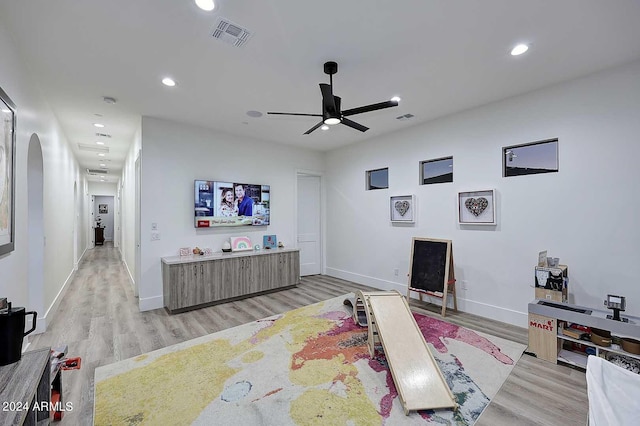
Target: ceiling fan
[(331, 113)]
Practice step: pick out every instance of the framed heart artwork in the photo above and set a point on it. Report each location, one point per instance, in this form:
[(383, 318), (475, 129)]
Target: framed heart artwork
[(477, 207), (402, 209)]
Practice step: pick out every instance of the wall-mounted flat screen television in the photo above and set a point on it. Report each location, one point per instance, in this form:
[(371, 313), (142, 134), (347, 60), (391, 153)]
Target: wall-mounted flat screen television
[(231, 204)]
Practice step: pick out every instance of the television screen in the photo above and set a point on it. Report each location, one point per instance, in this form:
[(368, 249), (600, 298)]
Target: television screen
[(230, 204)]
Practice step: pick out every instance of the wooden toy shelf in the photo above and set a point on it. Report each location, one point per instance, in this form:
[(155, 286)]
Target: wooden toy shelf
[(546, 340)]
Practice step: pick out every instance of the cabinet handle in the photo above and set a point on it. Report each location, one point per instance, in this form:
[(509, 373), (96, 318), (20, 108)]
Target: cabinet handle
[(202, 269), (195, 270)]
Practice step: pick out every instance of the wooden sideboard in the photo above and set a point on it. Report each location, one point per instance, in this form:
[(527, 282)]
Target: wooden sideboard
[(25, 389), (191, 282), (99, 236)]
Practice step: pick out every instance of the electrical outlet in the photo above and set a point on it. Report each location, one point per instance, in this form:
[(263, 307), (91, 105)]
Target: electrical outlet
[(155, 236), (395, 272), (464, 284), (154, 226)]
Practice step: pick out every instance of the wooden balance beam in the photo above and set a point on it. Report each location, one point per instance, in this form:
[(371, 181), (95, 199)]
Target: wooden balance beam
[(418, 379)]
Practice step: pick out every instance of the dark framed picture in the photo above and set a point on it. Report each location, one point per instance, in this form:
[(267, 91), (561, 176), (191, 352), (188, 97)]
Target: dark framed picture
[(103, 208), (7, 173)]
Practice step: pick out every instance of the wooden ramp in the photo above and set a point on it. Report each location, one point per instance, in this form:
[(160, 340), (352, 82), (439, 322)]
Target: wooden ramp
[(415, 372)]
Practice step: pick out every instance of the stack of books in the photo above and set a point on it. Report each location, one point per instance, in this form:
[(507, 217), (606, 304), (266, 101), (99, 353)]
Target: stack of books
[(574, 333)]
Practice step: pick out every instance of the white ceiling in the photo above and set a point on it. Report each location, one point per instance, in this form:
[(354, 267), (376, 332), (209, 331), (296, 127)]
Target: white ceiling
[(440, 56)]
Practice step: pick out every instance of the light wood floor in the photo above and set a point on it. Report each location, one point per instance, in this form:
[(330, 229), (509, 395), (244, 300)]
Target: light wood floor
[(99, 320)]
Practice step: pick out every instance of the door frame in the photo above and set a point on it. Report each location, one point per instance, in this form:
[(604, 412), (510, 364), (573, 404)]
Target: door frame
[(322, 233)]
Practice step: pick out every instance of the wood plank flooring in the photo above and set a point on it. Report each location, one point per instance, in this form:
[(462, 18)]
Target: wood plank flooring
[(99, 320)]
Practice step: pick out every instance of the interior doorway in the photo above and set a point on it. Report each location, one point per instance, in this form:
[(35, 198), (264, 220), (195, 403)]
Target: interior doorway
[(104, 213), (309, 230), (35, 230)]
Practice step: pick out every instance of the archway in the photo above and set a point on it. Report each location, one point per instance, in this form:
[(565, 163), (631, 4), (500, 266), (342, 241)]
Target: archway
[(35, 230)]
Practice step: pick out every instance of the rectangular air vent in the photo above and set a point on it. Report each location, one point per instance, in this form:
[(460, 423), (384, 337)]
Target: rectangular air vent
[(93, 148), (97, 171), (103, 135), (405, 117), (230, 33)]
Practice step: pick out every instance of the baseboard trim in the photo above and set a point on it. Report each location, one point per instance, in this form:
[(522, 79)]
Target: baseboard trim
[(485, 310), (150, 303), (41, 323), (131, 280)]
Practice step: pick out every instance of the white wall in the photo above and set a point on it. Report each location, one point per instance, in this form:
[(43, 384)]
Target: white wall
[(173, 156), (586, 214), (128, 206), (60, 173)]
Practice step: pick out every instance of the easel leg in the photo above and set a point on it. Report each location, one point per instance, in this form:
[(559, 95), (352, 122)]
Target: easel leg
[(455, 299), (444, 303)]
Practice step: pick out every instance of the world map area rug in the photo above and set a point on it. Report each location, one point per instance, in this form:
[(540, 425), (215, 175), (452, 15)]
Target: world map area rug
[(309, 366)]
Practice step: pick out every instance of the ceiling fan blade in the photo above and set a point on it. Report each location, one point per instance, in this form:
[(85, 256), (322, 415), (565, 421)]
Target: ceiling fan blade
[(328, 100), (354, 125), (368, 108), (314, 128), (295, 113)]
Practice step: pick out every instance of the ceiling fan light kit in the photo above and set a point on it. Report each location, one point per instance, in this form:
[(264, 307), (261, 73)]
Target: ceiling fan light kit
[(332, 114)]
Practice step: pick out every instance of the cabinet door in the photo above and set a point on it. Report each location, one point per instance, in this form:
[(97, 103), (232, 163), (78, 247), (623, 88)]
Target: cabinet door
[(211, 281), (187, 289), (232, 277), (288, 269), (263, 266)]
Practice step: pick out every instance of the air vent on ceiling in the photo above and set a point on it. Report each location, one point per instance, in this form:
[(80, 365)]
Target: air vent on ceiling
[(97, 171), (405, 117), (93, 148), (230, 33), (103, 135)]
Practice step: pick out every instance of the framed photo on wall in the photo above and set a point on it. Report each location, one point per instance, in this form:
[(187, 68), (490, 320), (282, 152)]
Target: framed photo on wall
[(402, 209), (477, 207), (7, 173)]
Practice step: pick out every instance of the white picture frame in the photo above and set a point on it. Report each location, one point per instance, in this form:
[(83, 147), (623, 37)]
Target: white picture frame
[(402, 209), (477, 207)]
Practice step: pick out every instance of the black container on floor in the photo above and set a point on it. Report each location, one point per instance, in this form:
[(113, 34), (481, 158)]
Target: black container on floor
[(12, 333)]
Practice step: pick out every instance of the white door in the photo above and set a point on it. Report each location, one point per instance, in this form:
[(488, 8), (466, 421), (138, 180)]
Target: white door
[(309, 241)]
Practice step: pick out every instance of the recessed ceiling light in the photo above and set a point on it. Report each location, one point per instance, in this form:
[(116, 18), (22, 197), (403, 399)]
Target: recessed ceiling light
[(168, 82), (396, 98), (519, 49), (103, 165), (98, 125), (5, 110), (254, 114), (99, 143), (101, 154), (207, 5), (324, 127)]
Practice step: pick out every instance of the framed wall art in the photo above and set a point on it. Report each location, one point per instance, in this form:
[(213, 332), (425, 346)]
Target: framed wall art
[(269, 241), (7, 173), (477, 207), (402, 209)]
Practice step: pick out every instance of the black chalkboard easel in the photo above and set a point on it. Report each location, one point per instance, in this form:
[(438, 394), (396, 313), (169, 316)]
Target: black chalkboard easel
[(431, 271)]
